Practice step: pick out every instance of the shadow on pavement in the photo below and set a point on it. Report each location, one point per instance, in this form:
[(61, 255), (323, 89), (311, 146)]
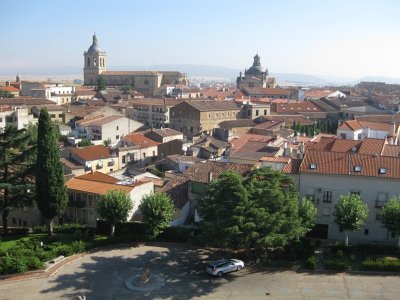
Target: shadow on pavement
[(103, 277)]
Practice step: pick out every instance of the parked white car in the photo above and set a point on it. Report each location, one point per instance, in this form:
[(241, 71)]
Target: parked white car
[(220, 267)]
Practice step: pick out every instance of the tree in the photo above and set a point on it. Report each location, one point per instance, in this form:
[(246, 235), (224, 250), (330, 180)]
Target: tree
[(157, 210), (51, 192), (307, 214), (114, 207), (258, 211), (16, 180), (6, 94), (101, 84), (127, 88), (391, 216), (84, 142), (350, 213), (107, 142)]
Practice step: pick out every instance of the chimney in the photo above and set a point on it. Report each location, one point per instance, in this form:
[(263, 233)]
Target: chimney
[(210, 177)]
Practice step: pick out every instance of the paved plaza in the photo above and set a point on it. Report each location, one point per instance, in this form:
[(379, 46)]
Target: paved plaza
[(101, 275)]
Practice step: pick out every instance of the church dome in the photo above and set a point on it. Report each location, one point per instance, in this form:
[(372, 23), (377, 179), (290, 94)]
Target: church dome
[(94, 48), (255, 70)]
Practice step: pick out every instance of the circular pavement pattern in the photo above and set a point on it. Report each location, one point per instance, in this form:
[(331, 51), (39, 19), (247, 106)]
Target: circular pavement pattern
[(102, 275)]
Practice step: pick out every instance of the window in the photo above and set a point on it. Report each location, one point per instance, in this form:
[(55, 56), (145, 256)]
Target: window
[(227, 114), (265, 112), (1, 119), (117, 137), (146, 82), (144, 155), (14, 221), (256, 112), (209, 116), (381, 199), (52, 116), (359, 136), (216, 115), (313, 166), (355, 192), (327, 196), (378, 216), (382, 171), (117, 127), (343, 136), (60, 115), (154, 153), (123, 159), (366, 231), (357, 168)]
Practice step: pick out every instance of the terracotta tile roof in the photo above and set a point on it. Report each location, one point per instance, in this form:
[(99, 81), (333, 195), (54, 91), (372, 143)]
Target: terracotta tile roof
[(237, 143), (24, 101), (317, 93), (183, 158), (5, 108), (345, 145), (138, 73), (209, 141), (10, 89), (324, 143), (50, 107), (95, 187), (237, 123), (267, 91), (254, 151), (292, 167), (272, 124), (199, 171), (97, 176), (177, 189), (372, 146), (279, 159), (166, 132), (140, 140), (289, 119), (71, 163), (90, 153), (388, 119), (98, 120), (391, 150), (297, 107), (336, 163), (357, 125)]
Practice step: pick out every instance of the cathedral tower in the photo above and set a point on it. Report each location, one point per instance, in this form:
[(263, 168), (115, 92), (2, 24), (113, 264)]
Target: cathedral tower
[(94, 64)]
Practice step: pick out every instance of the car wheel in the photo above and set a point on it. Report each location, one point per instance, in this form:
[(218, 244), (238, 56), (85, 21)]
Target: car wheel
[(239, 268), (219, 274)]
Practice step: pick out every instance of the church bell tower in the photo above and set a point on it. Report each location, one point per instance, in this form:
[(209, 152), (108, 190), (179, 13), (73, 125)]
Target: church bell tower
[(94, 64)]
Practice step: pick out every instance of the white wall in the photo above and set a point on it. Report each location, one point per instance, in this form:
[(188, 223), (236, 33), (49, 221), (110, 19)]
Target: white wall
[(137, 195), (342, 184)]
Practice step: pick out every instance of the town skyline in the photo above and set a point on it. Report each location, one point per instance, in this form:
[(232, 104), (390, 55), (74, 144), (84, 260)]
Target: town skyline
[(351, 40)]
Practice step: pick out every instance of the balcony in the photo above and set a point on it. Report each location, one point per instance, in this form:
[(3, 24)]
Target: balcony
[(111, 163), (99, 166)]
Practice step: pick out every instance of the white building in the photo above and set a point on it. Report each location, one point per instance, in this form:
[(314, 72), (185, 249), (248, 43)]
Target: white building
[(56, 92), (360, 130)]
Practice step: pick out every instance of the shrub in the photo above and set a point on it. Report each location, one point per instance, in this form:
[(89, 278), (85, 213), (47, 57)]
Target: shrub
[(312, 262), (339, 253), (176, 234), (78, 246), (39, 229), (381, 264), (64, 250), (335, 265), (3, 252), (10, 265), (69, 228), (78, 235), (45, 255), (32, 262)]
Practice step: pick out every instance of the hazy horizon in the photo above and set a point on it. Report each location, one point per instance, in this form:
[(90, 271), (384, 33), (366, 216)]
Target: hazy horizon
[(342, 39)]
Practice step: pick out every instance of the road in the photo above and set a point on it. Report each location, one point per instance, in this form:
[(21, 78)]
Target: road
[(101, 275)]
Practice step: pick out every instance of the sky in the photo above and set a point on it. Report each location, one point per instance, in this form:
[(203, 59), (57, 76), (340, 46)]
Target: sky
[(352, 38)]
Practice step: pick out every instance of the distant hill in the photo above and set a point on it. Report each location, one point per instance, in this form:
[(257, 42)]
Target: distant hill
[(204, 72)]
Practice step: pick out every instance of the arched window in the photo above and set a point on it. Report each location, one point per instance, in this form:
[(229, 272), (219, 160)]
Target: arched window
[(88, 62)]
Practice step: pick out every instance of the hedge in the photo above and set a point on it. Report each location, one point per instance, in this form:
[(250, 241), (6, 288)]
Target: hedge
[(335, 265), (381, 264)]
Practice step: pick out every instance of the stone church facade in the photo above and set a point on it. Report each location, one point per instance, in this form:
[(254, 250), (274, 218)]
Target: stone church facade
[(255, 77), (147, 82)]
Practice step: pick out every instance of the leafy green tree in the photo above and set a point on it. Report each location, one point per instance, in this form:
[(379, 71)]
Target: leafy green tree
[(84, 142), (259, 211), (114, 207), (223, 210), (350, 213), (274, 196), (6, 94), (107, 142), (391, 216), (101, 84), (308, 214), (157, 210), (16, 180), (127, 88), (51, 192)]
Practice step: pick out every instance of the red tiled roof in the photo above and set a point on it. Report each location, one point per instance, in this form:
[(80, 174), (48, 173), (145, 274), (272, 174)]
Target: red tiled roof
[(357, 125), (199, 172), (98, 120), (90, 153), (101, 177), (10, 89), (391, 150), (339, 163), (140, 140), (293, 166), (297, 107), (372, 146)]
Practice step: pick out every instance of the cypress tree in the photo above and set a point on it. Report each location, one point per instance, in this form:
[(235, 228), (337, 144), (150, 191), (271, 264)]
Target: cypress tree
[(15, 172), (51, 193)]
